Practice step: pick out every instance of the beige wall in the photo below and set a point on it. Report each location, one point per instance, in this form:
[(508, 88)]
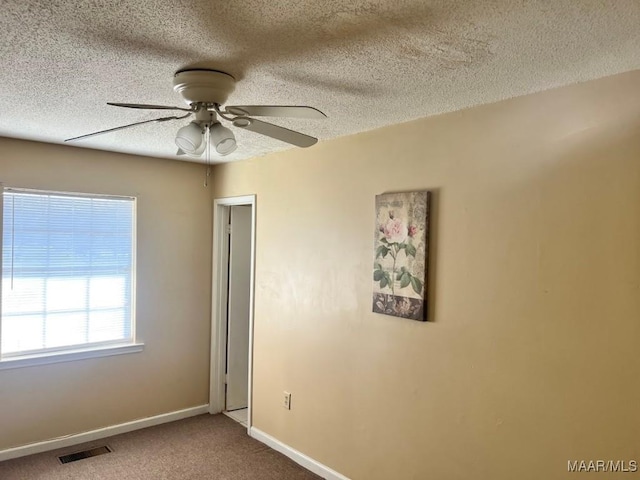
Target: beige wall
[(173, 298), (533, 356)]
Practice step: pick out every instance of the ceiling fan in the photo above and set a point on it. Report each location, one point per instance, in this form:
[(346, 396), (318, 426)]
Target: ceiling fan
[(205, 91)]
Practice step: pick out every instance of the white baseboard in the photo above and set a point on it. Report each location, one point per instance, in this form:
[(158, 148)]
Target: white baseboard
[(298, 457), (69, 440)]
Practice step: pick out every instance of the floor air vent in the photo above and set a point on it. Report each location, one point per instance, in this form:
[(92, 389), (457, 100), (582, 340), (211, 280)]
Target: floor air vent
[(74, 457)]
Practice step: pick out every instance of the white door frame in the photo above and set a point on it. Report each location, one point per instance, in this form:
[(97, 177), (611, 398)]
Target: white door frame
[(219, 302)]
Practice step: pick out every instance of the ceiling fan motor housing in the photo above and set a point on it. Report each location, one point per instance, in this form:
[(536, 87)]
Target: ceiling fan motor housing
[(203, 85)]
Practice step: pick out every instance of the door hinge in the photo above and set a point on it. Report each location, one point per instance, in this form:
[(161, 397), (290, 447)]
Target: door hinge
[(229, 229)]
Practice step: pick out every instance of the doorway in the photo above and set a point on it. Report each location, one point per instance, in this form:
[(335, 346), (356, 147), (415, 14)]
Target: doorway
[(232, 318)]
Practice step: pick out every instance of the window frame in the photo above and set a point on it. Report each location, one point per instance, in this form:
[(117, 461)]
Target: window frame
[(78, 351)]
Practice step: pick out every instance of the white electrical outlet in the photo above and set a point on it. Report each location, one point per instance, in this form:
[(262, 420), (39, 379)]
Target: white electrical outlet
[(286, 403)]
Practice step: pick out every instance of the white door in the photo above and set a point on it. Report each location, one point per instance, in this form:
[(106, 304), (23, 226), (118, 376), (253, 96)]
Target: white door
[(238, 307)]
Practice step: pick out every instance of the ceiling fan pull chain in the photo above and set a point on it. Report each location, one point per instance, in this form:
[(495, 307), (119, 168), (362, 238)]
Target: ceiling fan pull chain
[(208, 154)]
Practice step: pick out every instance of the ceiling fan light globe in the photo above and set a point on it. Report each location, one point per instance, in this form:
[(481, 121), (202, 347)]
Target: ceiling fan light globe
[(189, 138), (196, 153), (222, 139), (227, 146)]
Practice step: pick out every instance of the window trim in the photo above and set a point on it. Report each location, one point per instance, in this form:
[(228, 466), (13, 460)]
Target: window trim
[(82, 351), (69, 355)]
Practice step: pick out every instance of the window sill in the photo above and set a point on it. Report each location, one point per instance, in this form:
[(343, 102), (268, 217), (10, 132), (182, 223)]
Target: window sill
[(69, 356)]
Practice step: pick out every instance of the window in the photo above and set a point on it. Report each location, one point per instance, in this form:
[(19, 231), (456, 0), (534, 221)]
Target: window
[(67, 273)]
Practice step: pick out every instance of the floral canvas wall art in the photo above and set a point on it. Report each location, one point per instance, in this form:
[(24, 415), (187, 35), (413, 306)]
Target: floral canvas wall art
[(401, 251)]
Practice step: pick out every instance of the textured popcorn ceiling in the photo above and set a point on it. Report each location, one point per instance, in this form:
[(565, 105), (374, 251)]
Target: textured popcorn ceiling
[(366, 64)]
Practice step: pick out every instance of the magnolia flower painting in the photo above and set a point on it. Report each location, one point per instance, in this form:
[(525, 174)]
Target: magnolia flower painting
[(400, 259)]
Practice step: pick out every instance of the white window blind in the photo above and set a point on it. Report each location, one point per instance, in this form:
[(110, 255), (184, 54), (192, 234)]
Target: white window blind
[(67, 272)]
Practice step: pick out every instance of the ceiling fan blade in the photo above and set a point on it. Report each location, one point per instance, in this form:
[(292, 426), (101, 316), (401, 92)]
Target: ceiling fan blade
[(274, 131), (161, 119), (275, 111), (148, 107)]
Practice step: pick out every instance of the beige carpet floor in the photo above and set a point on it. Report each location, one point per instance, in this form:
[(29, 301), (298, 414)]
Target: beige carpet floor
[(211, 447)]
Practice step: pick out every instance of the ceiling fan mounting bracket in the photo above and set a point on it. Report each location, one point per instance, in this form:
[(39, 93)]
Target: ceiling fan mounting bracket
[(203, 86)]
